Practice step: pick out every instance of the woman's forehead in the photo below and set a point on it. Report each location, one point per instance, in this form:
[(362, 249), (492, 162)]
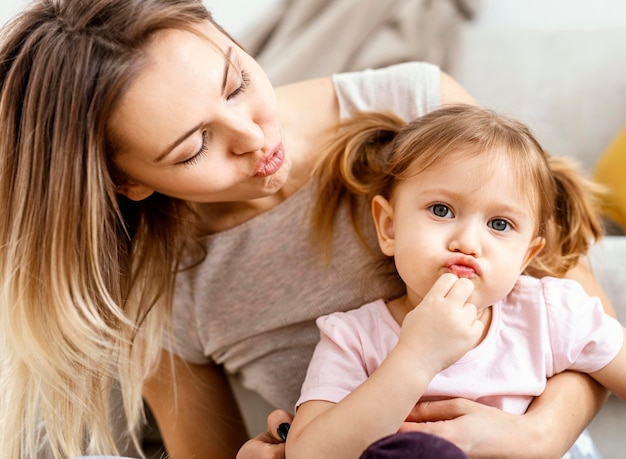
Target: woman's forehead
[(164, 99)]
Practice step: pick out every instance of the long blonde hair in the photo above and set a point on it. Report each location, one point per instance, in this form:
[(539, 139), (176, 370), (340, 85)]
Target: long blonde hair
[(373, 152), (81, 266)]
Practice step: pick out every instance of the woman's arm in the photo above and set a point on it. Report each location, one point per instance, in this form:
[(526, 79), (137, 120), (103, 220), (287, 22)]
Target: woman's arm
[(548, 429), (571, 400), (558, 416), (196, 412), (613, 375)]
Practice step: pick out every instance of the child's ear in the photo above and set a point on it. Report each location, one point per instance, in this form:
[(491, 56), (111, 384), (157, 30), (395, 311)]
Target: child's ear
[(382, 212), (134, 191), (534, 248)]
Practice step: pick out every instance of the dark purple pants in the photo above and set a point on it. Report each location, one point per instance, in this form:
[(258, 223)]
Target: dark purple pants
[(412, 445)]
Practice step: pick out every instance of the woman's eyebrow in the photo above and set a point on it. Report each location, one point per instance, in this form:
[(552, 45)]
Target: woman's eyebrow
[(227, 65), (177, 142)]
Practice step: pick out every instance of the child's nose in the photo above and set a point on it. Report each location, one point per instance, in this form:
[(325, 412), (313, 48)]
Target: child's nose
[(466, 239)]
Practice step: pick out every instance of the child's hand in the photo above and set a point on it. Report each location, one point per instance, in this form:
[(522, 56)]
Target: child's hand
[(444, 326)]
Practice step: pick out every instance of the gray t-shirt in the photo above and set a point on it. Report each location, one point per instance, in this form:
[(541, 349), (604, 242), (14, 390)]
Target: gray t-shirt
[(251, 304)]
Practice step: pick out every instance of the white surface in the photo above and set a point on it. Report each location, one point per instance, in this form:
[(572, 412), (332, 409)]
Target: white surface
[(9, 7), (552, 14)]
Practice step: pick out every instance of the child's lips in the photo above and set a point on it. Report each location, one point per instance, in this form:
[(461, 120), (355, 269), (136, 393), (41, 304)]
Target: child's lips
[(463, 266), (462, 270)]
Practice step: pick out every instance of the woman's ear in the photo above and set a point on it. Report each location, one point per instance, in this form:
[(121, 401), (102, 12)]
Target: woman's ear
[(534, 248), (382, 212), (134, 191)]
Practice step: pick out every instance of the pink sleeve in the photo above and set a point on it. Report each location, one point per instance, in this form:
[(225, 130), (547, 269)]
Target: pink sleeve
[(337, 367), (583, 337)]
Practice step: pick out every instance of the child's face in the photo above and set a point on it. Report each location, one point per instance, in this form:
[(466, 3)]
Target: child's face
[(467, 215)]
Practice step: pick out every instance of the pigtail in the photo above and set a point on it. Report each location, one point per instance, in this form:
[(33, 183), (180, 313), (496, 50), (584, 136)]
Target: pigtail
[(576, 223), (353, 165)]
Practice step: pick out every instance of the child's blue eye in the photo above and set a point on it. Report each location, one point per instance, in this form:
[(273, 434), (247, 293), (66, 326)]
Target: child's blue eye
[(441, 210), (499, 224)]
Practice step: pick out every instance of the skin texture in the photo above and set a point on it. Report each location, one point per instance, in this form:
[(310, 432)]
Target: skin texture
[(245, 121)]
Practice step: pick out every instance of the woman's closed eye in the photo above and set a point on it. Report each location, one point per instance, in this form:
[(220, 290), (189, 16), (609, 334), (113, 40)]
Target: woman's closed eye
[(192, 160), (245, 82)]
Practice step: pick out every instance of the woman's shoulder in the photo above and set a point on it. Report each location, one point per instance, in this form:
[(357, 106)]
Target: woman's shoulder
[(318, 93), (308, 109)]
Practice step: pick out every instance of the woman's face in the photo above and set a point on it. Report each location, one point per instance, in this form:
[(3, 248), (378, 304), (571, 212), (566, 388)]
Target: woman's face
[(200, 123)]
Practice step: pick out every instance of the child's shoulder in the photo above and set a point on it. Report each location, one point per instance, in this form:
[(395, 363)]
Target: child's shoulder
[(547, 289), (547, 284)]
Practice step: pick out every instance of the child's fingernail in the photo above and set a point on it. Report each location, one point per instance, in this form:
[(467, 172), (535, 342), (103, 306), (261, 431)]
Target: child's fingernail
[(283, 430)]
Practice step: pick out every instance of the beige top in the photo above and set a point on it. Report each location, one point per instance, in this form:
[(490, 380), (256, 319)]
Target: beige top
[(251, 305)]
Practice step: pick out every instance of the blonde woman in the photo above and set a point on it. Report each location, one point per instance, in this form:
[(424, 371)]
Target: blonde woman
[(151, 172)]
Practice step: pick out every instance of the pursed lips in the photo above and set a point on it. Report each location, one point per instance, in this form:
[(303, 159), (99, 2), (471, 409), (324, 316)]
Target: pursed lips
[(270, 164), (463, 267)]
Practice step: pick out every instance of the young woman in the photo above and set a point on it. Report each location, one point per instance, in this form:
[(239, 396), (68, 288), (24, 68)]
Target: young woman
[(141, 147), (464, 201)]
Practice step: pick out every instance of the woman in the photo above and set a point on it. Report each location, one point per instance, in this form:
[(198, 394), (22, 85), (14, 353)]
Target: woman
[(138, 141)]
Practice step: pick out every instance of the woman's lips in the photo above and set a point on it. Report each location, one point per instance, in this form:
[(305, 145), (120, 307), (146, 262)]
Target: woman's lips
[(271, 163)]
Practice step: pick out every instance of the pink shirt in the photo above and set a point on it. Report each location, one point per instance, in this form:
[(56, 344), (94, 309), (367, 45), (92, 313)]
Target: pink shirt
[(543, 327)]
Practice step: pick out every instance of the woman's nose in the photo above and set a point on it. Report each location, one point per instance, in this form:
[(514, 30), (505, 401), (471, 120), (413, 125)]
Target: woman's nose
[(466, 239), (245, 136)]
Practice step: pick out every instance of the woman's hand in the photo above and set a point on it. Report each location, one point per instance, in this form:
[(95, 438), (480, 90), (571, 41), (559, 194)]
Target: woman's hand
[(549, 428), (479, 430), (269, 444)]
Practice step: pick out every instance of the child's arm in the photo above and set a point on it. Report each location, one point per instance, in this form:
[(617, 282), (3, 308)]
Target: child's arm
[(613, 375), (434, 335)]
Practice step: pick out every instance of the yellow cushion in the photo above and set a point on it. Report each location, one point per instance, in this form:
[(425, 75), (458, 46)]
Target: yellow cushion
[(611, 172)]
